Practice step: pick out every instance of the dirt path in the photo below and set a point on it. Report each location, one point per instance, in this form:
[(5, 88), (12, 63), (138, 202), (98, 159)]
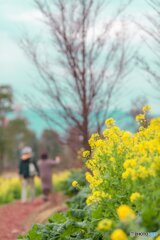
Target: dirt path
[(17, 217)]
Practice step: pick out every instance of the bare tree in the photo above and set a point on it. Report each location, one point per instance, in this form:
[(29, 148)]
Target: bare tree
[(152, 40), (82, 62), (75, 138)]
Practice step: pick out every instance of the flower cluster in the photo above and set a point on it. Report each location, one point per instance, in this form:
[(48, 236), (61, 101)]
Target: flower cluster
[(143, 159), (10, 187), (123, 171), (97, 196)]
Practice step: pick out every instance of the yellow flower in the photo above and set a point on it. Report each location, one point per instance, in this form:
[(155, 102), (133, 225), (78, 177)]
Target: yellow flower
[(90, 199), (119, 234), (97, 196), (93, 139), (112, 159), (125, 213), (129, 163), (146, 109), (127, 173), (74, 183), (141, 128), (134, 196), (105, 133), (99, 143), (143, 172), (102, 195), (110, 122), (104, 224), (89, 177), (158, 238), (94, 182), (60, 177), (86, 154), (140, 117)]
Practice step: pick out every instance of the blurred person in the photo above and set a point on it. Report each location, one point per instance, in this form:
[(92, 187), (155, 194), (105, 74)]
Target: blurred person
[(27, 170), (45, 166)]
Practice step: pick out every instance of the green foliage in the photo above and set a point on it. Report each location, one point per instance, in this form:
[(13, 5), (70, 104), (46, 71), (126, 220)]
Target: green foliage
[(76, 223), (78, 201), (17, 133), (6, 101), (13, 132), (35, 233)]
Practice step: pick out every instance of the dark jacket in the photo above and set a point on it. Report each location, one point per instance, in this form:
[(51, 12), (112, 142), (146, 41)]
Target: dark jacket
[(24, 167)]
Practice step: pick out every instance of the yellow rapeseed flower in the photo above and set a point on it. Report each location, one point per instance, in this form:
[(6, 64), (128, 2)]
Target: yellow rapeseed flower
[(127, 173), (125, 213), (93, 139), (110, 122), (60, 177), (94, 181), (97, 196), (141, 128), (74, 184), (146, 109), (135, 196), (112, 159), (86, 154), (119, 234), (140, 117), (104, 224), (129, 163), (143, 172), (158, 238)]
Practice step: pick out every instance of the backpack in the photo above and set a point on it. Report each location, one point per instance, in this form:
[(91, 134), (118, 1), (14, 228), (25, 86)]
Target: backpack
[(32, 170)]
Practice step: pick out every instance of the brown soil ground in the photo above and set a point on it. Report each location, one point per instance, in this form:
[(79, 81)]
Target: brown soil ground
[(16, 218)]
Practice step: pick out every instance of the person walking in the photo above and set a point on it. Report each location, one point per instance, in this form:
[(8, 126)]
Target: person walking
[(45, 166), (27, 170)]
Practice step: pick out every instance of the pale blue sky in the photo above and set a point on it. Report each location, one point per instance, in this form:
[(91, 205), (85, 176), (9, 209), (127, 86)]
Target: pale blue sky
[(15, 69)]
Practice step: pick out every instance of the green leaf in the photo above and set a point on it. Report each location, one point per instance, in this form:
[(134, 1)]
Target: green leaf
[(78, 213), (35, 234), (58, 218)]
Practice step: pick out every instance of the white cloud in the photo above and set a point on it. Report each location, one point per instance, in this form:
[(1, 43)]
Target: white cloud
[(128, 27), (10, 52), (19, 13), (13, 64), (25, 17)]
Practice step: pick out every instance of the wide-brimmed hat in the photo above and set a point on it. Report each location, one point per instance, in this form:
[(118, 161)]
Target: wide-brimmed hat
[(26, 153)]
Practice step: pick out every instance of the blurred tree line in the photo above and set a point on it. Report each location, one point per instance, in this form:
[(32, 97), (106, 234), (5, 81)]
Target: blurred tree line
[(15, 133)]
